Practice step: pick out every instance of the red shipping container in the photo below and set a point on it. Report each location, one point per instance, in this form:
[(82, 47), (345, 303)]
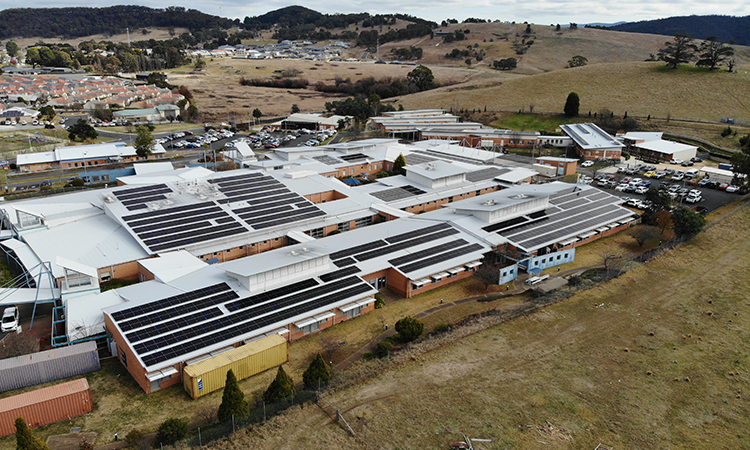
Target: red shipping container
[(47, 405)]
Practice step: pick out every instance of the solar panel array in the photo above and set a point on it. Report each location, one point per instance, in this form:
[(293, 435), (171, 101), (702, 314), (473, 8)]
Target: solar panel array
[(398, 193), (180, 226), (414, 159), (571, 212), (485, 174), (178, 325), (269, 202), (354, 157), (136, 198), (412, 261), (328, 160)]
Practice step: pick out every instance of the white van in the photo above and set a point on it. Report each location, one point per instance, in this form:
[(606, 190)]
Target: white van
[(692, 173)]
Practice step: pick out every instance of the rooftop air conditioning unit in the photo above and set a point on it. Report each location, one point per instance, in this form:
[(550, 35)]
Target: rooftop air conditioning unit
[(109, 199)]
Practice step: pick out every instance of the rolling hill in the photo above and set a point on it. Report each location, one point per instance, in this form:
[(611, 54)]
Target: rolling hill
[(734, 30)]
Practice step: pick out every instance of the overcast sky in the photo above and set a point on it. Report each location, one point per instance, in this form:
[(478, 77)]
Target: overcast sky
[(541, 12)]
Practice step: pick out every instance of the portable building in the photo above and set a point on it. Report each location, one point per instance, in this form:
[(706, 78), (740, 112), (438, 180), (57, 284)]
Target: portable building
[(51, 365), (208, 375), (47, 405)]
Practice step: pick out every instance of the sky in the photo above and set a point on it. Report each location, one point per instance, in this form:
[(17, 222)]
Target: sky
[(541, 12)]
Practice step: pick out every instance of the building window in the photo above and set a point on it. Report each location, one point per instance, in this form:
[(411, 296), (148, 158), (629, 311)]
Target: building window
[(558, 257), (363, 222), (354, 312), (105, 276), (276, 240), (123, 358), (312, 327), (344, 226), (317, 233), (343, 172)]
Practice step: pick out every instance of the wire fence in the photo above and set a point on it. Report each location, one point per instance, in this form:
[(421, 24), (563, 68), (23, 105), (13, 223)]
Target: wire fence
[(259, 413)]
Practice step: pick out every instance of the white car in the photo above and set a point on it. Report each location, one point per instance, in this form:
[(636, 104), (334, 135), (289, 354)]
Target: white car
[(587, 163), (693, 198), (675, 161), (621, 187), (641, 190), (731, 188), (10, 319)]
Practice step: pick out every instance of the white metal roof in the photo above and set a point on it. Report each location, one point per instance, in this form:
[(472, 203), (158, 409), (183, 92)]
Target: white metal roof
[(666, 147)]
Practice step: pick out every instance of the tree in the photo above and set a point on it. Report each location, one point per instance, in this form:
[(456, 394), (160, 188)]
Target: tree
[(657, 200), (644, 233), (200, 63), (232, 400), (572, 103), (680, 51), (488, 274), (382, 349), (663, 220), (317, 373), (257, 114), (295, 109), (577, 61), (399, 164), (25, 440), (687, 223), (12, 48), (144, 142), (280, 388), (468, 61), (713, 53), (409, 329), (422, 78), (47, 111), (82, 130), (171, 431)]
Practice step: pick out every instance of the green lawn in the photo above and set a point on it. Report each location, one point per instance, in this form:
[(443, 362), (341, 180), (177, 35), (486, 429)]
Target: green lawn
[(546, 123)]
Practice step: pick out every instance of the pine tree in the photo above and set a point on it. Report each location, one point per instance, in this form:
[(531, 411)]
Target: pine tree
[(280, 388), (317, 373), (232, 400), (399, 164), (25, 440), (572, 104), (409, 328)]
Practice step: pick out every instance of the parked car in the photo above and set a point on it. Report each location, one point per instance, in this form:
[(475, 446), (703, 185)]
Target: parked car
[(621, 187), (641, 190), (675, 161), (587, 163), (649, 174), (10, 319), (723, 186), (687, 163), (678, 176), (731, 188), (693, 198)]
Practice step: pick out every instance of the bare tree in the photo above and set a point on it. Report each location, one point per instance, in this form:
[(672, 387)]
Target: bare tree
[(488, 274), (643, 234), (206, 414), (329, 344)]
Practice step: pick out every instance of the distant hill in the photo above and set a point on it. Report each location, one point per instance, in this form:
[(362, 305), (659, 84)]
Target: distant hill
[(727, 28), (79, 22)]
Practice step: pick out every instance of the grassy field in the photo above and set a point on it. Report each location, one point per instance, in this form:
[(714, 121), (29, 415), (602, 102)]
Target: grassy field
[(654, 359)]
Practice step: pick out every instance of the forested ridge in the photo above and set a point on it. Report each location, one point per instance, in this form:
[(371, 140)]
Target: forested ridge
[(79, 21), (730, 29)]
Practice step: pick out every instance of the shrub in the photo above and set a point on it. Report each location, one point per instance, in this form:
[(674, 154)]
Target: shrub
[(280, 388), (409, 329), (379, 302), (442, 328), (382, 349), (171, 431), (78, 182)]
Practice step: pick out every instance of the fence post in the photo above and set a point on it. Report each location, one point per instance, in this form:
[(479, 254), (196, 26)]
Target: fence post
[(264, 410), (232, 423), (200, 441)]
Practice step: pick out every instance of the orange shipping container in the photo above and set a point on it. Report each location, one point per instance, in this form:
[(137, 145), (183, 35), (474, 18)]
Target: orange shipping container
[(46, 405)]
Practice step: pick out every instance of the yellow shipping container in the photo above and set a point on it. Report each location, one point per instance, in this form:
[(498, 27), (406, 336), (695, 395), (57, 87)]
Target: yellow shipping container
[(211, 374)]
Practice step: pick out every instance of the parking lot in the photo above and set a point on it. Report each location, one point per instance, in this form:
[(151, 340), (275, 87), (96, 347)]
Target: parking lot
[(711, 198)]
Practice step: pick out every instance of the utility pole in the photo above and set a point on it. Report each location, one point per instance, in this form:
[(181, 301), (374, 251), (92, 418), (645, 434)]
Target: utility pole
[(128, 31)]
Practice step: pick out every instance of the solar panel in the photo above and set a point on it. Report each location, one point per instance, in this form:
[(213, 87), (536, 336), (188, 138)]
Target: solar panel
[(485, 174), (138, 190), (411, 234), (344, 262), (137, 195), (236, 177), (351, 270), (136, 207), (197, 232), (197, 239), (358, 249), (291, 219), (405, 244), (272, 294), (436, 259), (162, 212), (327, 160), (144, 200), (166, 220), (250, 324), (169, 301), (427, 252), (354, 157), (505, 224)]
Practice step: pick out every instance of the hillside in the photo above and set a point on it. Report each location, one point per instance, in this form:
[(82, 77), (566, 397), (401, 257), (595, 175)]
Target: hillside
[(78, 21), (727, 28)]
